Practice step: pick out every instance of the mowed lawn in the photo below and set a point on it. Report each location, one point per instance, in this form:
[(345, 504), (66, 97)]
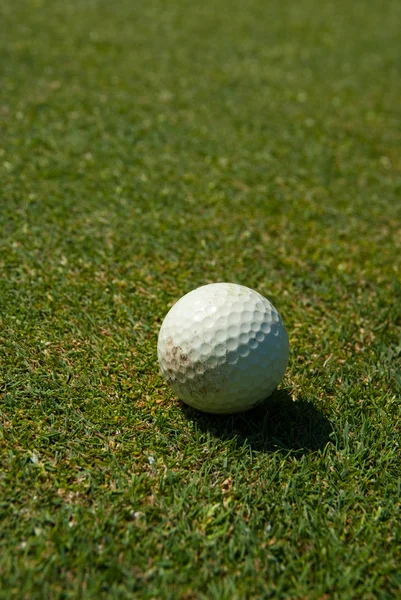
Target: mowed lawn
[(147, 148)]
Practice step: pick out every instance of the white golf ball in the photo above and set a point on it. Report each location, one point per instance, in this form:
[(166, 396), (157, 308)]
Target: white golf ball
[(223, 348)]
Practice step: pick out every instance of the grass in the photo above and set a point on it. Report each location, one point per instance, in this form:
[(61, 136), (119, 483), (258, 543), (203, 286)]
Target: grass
[(146, 149)]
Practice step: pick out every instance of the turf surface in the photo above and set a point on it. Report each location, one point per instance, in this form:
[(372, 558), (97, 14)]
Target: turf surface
[(146, 149)]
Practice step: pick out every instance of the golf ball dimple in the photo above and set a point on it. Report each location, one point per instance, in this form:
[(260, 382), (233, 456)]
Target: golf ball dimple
[(223, 348)]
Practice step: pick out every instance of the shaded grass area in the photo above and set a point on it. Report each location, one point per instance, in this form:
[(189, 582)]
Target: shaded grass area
[(145, 151)]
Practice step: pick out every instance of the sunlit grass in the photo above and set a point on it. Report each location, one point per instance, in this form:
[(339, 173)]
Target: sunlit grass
[(146, 150)]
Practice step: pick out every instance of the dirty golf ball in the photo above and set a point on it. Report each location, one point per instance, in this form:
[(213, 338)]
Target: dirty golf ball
[(223, 348)]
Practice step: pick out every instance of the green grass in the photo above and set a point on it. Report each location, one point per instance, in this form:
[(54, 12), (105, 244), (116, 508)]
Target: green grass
[(147, 148)]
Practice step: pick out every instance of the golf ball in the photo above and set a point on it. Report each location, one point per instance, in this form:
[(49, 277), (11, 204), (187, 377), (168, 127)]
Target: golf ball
[(223, 348)]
